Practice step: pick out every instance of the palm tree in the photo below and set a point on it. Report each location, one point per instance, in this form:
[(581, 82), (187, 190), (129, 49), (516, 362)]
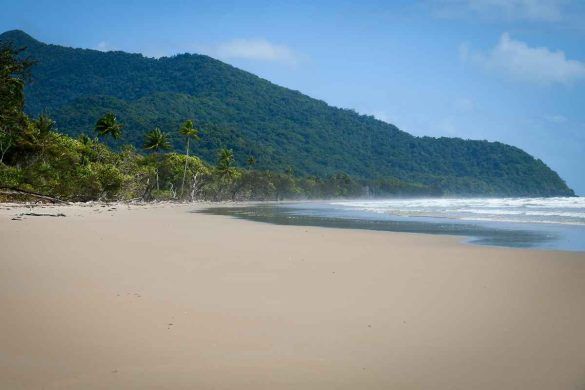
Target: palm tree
[(225, 164), (45, 125), (85, 151), (251, 161), (155, 142), (190, 133), (227, 170), (108, 125), (84, 139)]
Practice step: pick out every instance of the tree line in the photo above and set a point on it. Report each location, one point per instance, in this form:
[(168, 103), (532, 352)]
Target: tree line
[(35, 156)]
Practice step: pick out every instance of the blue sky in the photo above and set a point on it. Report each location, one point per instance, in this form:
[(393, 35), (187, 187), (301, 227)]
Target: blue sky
[(505, 70)]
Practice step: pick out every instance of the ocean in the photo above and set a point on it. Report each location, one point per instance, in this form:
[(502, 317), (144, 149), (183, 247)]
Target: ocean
[(539, 223)]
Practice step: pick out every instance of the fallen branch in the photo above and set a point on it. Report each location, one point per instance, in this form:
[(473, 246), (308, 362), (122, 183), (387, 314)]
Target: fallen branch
[(43, 215), (34, 194)]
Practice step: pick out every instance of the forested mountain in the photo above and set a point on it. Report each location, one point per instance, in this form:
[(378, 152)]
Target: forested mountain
[(281, 128)]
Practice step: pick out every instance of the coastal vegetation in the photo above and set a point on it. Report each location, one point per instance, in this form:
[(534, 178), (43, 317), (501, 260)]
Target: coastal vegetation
[(239, 137), (36, 158)]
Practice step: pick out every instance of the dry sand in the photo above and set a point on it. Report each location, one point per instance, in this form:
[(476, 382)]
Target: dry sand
[(161, 298)]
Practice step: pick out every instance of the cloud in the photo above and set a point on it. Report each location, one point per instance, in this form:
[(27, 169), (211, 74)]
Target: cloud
[(381, 116), (556, 119), (517, 60), (533, 10), (104, 46), (254, 49)]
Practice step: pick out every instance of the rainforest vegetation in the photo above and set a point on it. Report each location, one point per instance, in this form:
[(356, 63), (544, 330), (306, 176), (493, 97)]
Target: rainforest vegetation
[(37, 158), (114, 125)]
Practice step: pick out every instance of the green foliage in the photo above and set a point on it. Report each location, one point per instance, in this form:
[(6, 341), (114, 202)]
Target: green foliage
[(284, 128), (45, 124), (225, 164), (188, 131), (251, 161), (10, 177), (156, 141), (108, 125), (85, 169), (13, 73)]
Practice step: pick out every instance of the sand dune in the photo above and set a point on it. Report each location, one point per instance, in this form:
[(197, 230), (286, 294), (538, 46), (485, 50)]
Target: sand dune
[(161, 298)]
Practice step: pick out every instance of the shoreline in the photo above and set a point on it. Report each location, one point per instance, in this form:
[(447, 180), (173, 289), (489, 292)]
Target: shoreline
[(206, 207), (151, 297), (482, 232)]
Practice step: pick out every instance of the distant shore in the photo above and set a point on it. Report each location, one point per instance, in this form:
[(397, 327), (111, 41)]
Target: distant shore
[(153, 296)]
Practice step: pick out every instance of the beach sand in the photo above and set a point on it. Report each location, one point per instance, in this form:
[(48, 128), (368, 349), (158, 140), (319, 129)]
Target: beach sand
[(156, 297)]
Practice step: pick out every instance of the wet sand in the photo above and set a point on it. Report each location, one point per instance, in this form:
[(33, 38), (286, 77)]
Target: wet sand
[(156, 297)]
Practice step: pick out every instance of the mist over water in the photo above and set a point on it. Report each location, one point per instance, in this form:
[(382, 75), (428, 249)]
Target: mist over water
[(539, 223), (520, 210)]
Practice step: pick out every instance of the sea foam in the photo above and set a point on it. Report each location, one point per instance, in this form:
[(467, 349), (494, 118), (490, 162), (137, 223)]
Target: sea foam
[(559, 210)]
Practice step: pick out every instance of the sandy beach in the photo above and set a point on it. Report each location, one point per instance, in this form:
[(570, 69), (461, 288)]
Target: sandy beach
[(157, 297)]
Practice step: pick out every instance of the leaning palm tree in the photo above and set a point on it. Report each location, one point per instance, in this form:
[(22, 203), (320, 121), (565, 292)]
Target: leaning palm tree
[(108, 125), (155, 142), (190, 133)]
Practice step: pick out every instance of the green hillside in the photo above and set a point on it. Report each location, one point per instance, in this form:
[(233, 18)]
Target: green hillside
[(281, 128)]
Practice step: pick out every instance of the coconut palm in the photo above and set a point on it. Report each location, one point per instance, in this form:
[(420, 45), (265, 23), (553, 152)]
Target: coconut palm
[(155, 142), (84, 139), (190, 133), (108, 125), (251, 161), (227, 171), (225, 164), (45, 124)]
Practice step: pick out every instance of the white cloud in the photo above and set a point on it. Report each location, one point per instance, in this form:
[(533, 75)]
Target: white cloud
[(534, 10), (254, 49), (556, 119), (104, 46), (381, 116), (519, 61)]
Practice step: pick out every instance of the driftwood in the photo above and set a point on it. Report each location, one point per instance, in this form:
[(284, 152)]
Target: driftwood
[(33, 194), (43, 215)]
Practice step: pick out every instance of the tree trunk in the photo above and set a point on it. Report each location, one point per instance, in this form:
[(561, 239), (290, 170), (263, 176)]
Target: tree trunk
[(185, 170), (158, 160), (194, 187), (157, 186), (147, 190), (35, 194), (4, 149)]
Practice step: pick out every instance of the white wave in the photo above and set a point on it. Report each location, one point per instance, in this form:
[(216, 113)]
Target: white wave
[(542, 221), (528, 210)]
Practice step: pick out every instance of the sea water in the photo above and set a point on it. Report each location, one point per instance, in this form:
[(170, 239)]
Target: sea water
[(540, 223)]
